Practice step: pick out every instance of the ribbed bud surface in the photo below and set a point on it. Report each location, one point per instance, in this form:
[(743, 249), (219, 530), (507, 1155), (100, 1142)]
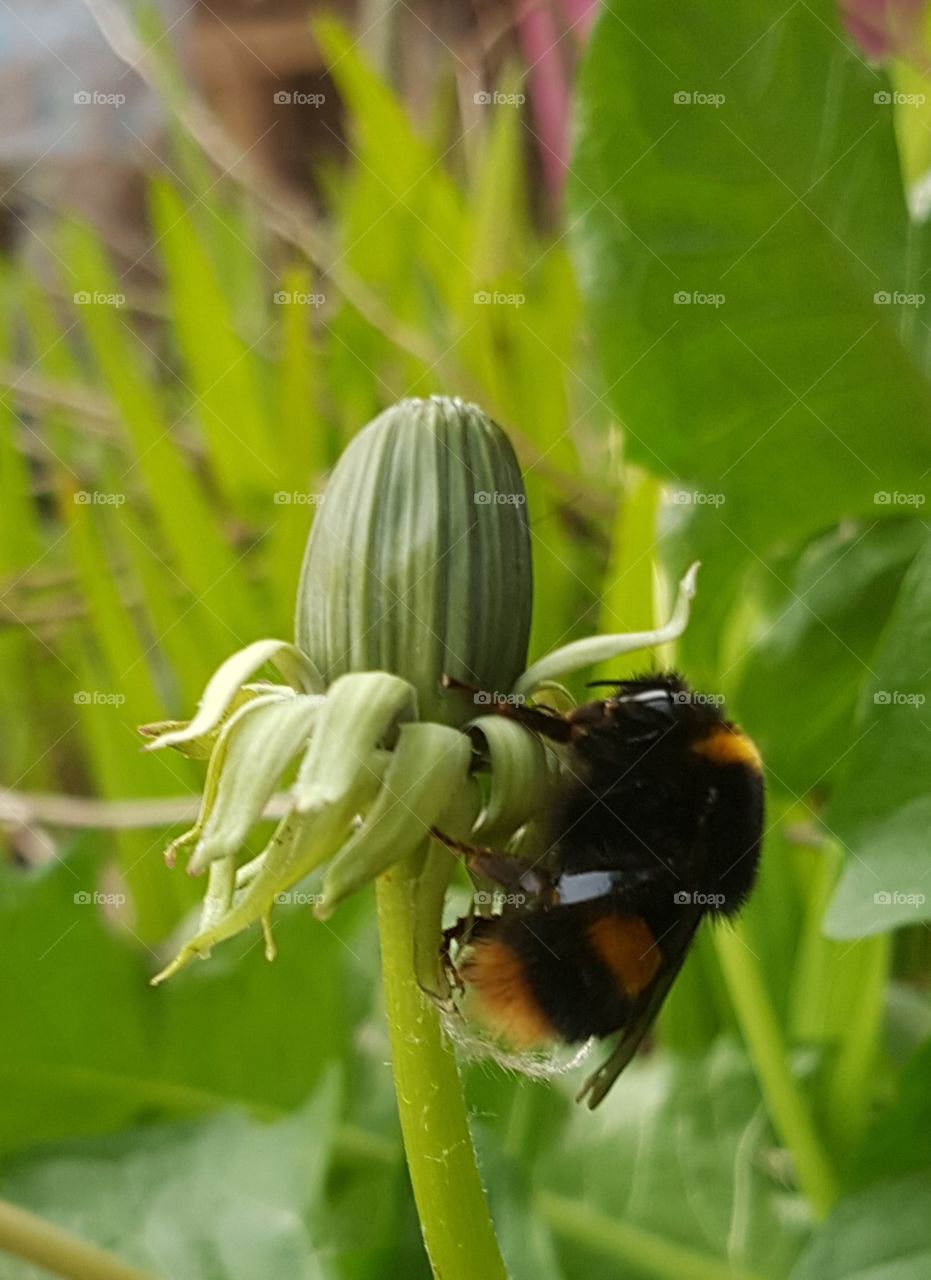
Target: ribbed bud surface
[(419, 559)]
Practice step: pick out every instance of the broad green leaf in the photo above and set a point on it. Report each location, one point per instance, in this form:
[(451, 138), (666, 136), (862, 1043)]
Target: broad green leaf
[(880, 1234), (882, 808), (812, 650), (898, 1141), (743, 237), (229, 1197), (681, 1158), (93, 1048)]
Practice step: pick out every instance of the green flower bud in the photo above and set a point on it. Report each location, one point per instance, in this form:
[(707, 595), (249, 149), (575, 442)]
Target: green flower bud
[(419, 558)]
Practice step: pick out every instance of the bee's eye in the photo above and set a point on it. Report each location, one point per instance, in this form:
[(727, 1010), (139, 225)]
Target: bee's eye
[(654, 701)]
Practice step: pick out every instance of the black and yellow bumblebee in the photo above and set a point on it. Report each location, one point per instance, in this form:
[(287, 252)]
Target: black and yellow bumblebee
[(658, 823)]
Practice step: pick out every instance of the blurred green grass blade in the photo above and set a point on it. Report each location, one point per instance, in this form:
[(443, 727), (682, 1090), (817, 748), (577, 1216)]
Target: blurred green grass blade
[(860, 977), (21, 534), (306, 445), (181, 507), (628, 596), (108, 613), (415, 236), (218, 367), (22, 543), (181, 630), (498, 222), (117, 770)]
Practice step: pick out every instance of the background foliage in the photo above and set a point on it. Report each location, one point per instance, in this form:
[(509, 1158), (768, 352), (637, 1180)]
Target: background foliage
[(240, 1120)]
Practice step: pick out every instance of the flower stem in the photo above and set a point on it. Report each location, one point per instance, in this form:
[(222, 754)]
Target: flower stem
[(42, 1242), (457, 1230)]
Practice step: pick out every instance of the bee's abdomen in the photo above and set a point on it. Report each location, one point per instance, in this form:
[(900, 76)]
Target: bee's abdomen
[(564, 974)]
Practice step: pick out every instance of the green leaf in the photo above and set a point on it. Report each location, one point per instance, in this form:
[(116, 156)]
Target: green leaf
[(93, 1048), (880, 1234), (813, 649), (797, 398), (882, 810), (674, 1176), (898, 1141), (230, 1197)]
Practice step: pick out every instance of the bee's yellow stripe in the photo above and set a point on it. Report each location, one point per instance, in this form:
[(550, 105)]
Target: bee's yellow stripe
[(501, 996), (727, 745), (626, 946)]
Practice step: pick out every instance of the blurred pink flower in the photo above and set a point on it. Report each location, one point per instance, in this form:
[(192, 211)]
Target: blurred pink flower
[(552, 36), (886, 28)]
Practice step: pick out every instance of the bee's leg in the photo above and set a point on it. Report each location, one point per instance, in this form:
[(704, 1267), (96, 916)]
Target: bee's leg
[(459, 934), (511, 873), (547, 723)]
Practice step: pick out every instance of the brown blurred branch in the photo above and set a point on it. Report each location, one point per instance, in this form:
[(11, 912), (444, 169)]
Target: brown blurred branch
[(37, 808)]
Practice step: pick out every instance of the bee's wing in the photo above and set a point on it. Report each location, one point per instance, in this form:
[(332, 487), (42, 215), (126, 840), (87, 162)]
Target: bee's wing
[(675, 947)]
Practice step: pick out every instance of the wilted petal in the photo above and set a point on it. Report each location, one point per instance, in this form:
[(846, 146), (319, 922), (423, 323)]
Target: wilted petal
[(427, 767), (595, 649), (517, 778), (359, 714), (227, 680), (257, 743), (221, 884)]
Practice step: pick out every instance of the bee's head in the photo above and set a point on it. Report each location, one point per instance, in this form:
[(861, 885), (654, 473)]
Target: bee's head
[(664, 699), (659, 707)]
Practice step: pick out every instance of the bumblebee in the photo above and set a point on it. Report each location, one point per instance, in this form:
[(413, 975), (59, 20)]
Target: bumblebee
[(658, 824)]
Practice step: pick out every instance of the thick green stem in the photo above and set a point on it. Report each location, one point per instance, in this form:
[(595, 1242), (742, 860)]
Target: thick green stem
[(457, 1230), (41, 1242), (769, 1054)]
